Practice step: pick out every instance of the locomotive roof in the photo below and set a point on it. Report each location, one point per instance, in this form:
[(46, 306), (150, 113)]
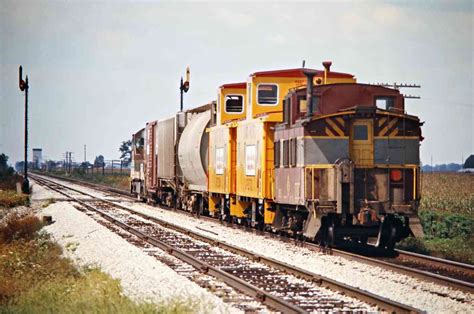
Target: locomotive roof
[(298, 72)]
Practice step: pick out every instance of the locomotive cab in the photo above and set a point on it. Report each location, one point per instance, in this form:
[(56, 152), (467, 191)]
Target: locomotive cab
[(348, 165)]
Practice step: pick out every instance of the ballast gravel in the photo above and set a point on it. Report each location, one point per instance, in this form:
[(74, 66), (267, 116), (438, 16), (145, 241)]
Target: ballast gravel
[(143, 278), (422, 295), (426, 296)]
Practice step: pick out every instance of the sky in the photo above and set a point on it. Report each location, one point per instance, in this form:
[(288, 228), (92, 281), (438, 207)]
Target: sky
[(99, 70)]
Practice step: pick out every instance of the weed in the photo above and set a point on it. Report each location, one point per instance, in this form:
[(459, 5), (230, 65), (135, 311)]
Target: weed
[(19, 228), (414, 245), (9, 199), (445, 225), (49, 202), (72, 246), (37, 279)]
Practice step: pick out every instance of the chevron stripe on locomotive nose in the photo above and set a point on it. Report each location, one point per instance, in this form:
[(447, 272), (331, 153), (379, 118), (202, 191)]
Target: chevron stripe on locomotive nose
[(388, 126), (335, 126)]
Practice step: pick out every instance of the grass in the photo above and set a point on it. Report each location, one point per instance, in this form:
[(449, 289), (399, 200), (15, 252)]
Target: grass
[(447, 215), (116, 180), (37, 279), (9, 199)]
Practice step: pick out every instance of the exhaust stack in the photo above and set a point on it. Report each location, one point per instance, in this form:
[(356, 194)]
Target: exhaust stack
[(327, 68), (309, 92)]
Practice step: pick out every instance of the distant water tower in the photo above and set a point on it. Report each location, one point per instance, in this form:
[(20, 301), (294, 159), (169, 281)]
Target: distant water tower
[(37, 157)]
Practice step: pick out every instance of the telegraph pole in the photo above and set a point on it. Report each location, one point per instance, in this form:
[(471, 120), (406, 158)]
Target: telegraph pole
[(85, 152), (24, 87)]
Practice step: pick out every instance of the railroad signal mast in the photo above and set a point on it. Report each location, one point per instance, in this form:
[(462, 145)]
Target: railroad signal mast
[(24, 86), (184, 87)]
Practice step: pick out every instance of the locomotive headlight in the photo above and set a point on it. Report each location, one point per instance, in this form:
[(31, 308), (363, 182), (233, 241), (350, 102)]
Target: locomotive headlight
[(396, 175)]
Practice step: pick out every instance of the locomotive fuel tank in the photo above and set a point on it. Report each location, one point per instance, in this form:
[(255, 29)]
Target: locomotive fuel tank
[(193, 151)]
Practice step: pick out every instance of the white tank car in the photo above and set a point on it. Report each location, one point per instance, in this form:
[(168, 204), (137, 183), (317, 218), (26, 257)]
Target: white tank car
[(193, 151)]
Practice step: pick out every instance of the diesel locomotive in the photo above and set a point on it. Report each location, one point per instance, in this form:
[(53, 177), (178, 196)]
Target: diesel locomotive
[(306, 152)]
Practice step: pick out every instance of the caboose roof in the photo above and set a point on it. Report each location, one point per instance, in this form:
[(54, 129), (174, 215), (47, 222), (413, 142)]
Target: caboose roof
[(298, 72), (234, 85)]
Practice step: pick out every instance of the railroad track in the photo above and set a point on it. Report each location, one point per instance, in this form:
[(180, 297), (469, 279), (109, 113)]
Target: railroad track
[(277, 285), (441, 271)]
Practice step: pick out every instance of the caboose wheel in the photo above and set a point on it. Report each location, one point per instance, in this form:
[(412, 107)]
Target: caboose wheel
[(388, 234), (391, 237), (330, 236)]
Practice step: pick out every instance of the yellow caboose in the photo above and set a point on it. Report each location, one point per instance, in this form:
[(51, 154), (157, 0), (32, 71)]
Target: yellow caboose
[(255, 137), (230, 108)]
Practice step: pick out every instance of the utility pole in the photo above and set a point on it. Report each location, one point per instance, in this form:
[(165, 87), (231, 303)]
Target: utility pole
[(70, 162), (85, 152), (24, 87)]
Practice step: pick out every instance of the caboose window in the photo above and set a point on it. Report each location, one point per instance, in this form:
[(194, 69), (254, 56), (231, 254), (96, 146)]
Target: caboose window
[(385, 102), (302, 104), (361, 133), (293, 152), (276, 158), (267, 94), (286, 110), (286, 154), (234, 103)]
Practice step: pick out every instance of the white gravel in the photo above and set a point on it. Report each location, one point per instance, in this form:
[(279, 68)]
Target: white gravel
[(423, 295), (89, 243)]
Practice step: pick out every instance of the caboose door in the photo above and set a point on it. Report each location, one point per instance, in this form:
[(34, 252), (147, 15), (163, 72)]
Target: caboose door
[(362, 142)]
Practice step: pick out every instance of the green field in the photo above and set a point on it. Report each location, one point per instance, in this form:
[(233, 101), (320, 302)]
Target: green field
[(117, 180), (447, 216)]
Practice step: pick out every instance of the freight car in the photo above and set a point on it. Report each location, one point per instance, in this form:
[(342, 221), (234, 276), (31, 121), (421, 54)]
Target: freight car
[(306, 152), (172, 153)]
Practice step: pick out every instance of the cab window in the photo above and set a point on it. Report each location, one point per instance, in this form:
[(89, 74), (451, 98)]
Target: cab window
[(267, 94), (234, 103)]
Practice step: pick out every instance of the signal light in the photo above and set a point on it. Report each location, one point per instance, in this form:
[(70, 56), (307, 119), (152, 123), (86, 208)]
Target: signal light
[(396, 175)]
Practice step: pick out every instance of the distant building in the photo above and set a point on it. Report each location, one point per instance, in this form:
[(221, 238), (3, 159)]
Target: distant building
[(37, 157)]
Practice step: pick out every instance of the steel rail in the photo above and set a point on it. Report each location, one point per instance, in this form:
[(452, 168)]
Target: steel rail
[(413, 272), (440, 262), (233, 281), (384, 303)]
